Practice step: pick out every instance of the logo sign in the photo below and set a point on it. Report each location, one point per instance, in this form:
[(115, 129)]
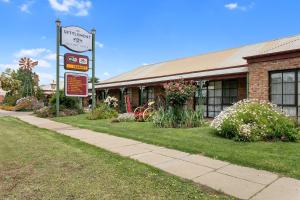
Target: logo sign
[(76, 39), (76, 85), (76, 62)]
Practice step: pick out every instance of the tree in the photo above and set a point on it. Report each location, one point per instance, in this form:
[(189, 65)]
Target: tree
[(95, 78), (9, 82)]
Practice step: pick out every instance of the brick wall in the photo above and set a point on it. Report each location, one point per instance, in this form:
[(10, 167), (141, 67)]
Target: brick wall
[(259, 75), (242, 88)]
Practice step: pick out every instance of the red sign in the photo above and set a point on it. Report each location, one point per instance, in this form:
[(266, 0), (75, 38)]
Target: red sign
[(76, 62), (76, 85)]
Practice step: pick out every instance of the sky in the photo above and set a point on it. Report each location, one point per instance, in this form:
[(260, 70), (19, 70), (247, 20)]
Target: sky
[(131, 33)]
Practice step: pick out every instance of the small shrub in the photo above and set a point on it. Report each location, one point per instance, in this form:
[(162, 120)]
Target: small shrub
[(11, 100), (253, 120), (45, 112), (48, 112), (126, 117), (103, 111), (187, 118), (65, 102), (111, 101)]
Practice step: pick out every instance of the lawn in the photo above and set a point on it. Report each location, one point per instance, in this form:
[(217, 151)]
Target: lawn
[(40, 164), (278, 157)]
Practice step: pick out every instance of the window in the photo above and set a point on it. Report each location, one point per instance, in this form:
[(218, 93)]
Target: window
[(283, 90), (148, 95), (218, 95)]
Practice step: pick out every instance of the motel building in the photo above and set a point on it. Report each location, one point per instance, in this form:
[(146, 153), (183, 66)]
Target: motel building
[(267, 71)]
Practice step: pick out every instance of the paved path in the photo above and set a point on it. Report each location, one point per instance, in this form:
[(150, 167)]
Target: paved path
[(237, 181)]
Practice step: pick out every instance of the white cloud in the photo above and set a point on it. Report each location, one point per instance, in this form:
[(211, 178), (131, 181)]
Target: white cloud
[(25, 7), (73, 7), (236, 6), (50, 56), (106, 74), (144, 64), (45, 77), (12, 66), (231, 6), (5, 1), (31, 52), (42, 55), (43, 63), (99, 44)]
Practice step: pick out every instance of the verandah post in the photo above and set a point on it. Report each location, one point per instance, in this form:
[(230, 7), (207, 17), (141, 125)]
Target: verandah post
[(141, 94), (199, 87), (122, 106)]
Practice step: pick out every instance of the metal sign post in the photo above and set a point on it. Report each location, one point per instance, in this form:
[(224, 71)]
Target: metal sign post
[(57, 65), (93, 69)]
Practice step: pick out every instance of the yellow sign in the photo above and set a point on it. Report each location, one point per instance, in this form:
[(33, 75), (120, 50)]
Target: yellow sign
[(77, 67)]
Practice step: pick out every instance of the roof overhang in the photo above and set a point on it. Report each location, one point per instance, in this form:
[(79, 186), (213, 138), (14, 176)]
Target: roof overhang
[(198, 75), (273, 56)]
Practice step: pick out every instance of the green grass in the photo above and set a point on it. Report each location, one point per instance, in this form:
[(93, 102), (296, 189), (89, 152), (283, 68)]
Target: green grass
[(278, 157), (40, 164)]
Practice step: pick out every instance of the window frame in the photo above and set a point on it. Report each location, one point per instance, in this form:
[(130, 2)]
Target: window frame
[(296, 89), (206, 103)]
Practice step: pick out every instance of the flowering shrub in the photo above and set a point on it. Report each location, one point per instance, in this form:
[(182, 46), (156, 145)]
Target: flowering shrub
[(178, 92), (111, 101), (103, 111), (27, 103), (253, 120)]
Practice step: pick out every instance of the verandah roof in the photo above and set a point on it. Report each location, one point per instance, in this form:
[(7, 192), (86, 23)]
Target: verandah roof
[(214, 61)]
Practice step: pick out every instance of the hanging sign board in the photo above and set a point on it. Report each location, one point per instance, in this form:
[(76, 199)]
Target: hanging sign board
[(76, 84), (76, 39), (76, 62)]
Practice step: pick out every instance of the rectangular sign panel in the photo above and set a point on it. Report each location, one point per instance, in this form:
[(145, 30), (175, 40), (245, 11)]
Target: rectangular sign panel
[(76, 85), (76, 39), (76, 62)]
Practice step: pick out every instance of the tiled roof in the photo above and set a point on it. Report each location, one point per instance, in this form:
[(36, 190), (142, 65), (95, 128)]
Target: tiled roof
[(210, 61)]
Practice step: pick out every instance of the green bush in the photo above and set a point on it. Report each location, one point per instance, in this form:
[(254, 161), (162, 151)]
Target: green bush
[(11, 100), (253, 120), (103, 111), (65, 102), (172, 118)]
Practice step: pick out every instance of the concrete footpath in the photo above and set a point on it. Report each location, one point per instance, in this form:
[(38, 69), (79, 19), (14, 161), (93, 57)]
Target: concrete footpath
[(234, 180)]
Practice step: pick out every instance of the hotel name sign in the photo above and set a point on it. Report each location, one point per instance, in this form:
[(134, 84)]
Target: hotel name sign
[(76, 39)]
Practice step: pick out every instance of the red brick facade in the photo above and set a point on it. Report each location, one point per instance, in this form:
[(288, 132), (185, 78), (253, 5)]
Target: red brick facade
[(259, 75)]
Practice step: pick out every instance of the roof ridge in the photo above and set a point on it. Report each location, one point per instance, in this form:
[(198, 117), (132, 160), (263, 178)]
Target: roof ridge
[(280, 45)]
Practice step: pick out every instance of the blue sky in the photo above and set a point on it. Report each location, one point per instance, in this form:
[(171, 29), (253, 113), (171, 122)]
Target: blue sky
[(131, 33)]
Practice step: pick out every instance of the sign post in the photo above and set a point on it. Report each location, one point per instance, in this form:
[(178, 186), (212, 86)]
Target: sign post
[(93, 69), (57, 65)]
